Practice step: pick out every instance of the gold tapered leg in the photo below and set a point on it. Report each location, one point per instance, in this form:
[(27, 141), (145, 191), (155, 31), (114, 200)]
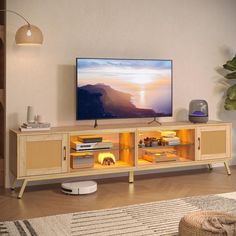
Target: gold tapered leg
[(210, 167), (227, 168), (131, 177), (22, 189), (13, 186)]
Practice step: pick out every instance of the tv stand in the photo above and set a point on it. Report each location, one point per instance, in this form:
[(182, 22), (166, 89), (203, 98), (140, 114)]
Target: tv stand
[(45, 155), (154, 121)]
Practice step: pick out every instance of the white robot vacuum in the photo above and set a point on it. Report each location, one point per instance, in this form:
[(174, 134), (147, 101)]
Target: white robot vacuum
[(79, 187)]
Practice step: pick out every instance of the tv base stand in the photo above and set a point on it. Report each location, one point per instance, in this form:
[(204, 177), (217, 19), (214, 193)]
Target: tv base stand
[(45, 155), (154, 121), (95, 123)]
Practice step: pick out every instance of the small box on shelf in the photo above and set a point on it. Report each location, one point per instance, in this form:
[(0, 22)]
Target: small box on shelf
[(81, 160)]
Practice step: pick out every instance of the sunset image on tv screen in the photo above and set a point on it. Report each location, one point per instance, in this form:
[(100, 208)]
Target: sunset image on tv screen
[(121, 88)]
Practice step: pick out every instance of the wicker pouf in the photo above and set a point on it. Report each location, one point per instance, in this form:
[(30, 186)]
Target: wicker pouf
[(191, 224)]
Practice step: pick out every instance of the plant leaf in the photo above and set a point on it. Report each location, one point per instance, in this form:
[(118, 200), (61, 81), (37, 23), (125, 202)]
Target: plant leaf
[(231, 92), (230, 107), (231, 75), (230, 65), (230, 104)]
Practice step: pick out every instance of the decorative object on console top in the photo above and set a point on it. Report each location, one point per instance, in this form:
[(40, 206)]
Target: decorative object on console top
[(198, 111), (34, 122), (30, 114), (35, 126)]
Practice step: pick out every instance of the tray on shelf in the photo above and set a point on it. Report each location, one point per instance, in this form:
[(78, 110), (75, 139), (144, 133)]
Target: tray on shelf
[(160, 155)]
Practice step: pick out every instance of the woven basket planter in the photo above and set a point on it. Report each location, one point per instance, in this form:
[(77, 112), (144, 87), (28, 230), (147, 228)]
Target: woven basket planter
[(191, 224)]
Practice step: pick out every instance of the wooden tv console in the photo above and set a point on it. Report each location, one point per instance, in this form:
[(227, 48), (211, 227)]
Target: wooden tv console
[(45, 155)]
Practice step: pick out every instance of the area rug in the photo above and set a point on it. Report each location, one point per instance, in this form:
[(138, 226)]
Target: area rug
[(155, 218)]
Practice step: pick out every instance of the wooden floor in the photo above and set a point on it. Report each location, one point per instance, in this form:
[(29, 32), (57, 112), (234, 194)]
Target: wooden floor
[(48, 200)]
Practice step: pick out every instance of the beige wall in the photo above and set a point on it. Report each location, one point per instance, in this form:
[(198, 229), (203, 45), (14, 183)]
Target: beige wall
[(199, 35)]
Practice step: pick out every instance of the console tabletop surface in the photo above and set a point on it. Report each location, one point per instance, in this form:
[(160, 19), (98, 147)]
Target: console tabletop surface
[(126, 126)]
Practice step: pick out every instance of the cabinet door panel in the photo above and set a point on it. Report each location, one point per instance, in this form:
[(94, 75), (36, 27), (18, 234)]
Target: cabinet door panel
[(42, 154), (213, 142)]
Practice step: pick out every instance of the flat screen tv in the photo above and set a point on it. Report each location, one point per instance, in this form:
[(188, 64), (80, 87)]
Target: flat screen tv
[(123, 88)]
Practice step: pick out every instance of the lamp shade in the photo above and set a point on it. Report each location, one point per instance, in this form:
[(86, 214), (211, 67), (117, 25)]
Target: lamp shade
[(29, 35)]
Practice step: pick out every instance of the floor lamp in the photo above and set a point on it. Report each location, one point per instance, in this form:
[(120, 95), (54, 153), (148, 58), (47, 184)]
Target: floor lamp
[(27, 34)]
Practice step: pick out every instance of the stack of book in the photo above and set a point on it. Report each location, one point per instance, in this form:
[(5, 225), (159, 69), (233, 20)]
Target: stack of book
[(171, 141), (169, 138), (35, 126)]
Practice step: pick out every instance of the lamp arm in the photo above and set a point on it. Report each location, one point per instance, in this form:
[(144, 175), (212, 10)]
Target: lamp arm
[(14, 12)]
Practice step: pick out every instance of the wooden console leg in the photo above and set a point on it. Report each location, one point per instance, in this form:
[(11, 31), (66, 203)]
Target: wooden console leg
[(131, 177), (13, 186), (210, 167), (227, 168), (22, 189)]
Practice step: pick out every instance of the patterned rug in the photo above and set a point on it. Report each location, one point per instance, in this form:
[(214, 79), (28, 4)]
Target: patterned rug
[(155, 218)]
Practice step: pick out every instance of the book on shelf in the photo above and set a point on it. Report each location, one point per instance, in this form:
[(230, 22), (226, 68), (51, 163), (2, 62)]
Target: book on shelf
[(167, 134), (171, 141), (23, 129), (36, 125)]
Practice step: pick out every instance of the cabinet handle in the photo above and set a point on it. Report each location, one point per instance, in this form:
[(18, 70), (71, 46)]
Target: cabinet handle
[(199, 141), (64, 153)]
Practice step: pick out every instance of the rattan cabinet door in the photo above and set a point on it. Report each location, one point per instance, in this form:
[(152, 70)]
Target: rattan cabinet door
[(42, 154), (213, 142)]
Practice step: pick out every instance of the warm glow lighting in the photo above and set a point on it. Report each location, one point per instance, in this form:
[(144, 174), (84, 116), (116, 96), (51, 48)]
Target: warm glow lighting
[(104, 155), (27, 34)]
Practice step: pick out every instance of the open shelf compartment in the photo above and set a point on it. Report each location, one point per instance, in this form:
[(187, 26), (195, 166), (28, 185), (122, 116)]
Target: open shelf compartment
[(118, 153), (153, 149)]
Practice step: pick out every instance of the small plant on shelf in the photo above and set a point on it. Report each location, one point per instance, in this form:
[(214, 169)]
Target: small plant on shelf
[(230, 101)]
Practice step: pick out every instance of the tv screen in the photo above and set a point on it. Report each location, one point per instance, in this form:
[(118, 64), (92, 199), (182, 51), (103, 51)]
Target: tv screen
[(123, 88)]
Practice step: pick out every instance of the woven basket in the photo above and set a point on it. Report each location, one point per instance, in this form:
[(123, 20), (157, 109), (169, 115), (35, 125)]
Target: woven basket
[(191, 224)]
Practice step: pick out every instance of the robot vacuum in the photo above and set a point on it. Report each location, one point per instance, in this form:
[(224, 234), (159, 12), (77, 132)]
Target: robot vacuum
[(79, 187)]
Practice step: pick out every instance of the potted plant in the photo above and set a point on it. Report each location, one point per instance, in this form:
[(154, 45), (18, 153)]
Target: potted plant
[(230, 101)]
